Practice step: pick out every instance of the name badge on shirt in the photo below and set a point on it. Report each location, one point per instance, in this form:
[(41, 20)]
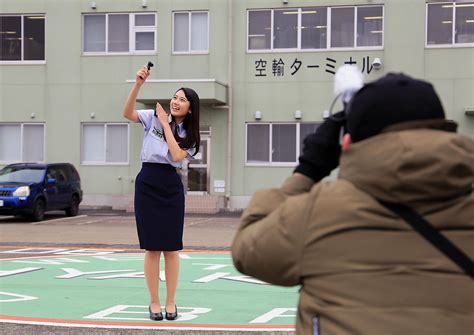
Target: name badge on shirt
[(158, 133)]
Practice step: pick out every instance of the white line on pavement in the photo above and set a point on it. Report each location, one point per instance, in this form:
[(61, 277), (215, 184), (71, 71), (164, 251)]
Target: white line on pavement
[(60, 219), (196, 222)]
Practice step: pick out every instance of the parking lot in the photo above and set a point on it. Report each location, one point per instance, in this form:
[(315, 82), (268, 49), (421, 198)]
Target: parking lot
[(84, 275), (111, 228)]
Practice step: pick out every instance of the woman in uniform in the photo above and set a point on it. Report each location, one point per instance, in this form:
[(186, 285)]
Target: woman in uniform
[(159, 193)]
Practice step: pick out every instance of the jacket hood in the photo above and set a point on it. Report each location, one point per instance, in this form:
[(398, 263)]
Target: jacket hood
[(415, 166)]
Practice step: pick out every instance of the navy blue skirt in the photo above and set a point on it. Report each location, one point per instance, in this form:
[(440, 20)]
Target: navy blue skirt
[(159, 207)]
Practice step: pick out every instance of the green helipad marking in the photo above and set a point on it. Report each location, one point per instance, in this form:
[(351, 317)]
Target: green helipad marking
[(111, 289)]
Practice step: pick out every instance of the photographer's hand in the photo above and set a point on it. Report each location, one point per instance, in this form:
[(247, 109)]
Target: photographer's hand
[(321, 150)]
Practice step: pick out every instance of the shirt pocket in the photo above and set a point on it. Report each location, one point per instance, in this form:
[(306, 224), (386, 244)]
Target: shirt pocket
[(158, 141)]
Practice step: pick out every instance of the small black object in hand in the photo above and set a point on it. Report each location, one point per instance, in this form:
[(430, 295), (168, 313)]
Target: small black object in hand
[(148, 66)]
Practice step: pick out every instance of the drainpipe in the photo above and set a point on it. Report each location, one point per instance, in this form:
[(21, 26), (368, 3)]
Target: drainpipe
[(229, 114)]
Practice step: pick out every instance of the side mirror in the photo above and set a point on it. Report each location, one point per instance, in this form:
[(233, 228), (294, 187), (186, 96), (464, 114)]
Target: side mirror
[(51, 180)]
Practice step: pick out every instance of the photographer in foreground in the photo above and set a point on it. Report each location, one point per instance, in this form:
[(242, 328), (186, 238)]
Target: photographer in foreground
[(362, 268)]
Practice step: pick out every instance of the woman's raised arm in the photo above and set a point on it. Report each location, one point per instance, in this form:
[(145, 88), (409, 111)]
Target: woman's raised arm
[(129, 111)]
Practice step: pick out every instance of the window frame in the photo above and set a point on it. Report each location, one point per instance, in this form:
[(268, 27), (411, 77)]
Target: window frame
[(27, 62), (248, 30), (132, 30), (270, 163), (453, 43), (22, 124), (143, 29), (298, 31), (190, 52), (105, 125), (356, 17), (328, 30)]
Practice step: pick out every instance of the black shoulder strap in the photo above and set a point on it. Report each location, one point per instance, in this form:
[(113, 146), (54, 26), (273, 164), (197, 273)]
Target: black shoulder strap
[(433, 236)]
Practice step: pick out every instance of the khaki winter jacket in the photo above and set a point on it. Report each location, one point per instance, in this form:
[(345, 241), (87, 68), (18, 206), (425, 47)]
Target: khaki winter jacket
[(361, 268)]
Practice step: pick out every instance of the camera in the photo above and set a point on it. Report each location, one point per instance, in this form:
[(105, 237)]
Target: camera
[(148, 66)]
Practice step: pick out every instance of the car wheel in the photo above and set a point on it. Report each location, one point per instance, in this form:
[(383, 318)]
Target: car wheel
[(74, 208), (38, 210)]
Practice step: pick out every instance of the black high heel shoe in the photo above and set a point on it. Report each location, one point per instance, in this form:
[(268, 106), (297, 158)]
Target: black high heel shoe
[(155, 316), (172, 316)]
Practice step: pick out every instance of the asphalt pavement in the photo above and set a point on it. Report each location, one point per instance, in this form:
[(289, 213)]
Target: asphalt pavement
[(112, 229), (116, 230)]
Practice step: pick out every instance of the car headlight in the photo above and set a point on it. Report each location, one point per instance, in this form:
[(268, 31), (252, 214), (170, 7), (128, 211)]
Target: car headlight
[(22, 191)]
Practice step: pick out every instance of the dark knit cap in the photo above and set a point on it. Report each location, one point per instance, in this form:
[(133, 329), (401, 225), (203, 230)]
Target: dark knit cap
[(394, 98)]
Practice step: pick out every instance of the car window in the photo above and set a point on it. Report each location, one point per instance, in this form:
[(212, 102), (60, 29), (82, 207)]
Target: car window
[(51, 174), (21, 175), (61, 176), (74, 173), (56, 174), (64, 174)]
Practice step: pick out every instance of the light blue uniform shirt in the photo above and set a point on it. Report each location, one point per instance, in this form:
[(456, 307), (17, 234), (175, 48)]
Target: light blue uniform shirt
[(155, 149)]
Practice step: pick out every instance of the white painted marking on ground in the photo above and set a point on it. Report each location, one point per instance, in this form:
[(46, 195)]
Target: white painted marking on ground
[(17, 297), (213, 258), (92, 325), (32, 251), (275, 313), (196, 222), (6, 273), (59, 219), (213, 266), (89, 222), (185, 313)]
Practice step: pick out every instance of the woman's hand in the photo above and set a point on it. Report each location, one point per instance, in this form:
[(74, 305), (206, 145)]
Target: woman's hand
[(142, 75), (177, 154), (129, 111), (162, 116)]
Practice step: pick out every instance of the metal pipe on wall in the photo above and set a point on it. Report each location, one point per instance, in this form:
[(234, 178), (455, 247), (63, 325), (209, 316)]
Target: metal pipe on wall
[(229, 115)]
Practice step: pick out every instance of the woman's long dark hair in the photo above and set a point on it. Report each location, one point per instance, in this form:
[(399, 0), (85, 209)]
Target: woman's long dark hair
[(190, 123)]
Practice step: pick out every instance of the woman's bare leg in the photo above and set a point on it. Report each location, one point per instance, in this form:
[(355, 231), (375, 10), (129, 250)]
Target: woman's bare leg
[(152, 276), (171, 273)]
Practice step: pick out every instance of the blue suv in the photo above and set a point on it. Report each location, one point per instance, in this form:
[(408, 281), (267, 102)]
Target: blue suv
[(31, 189)]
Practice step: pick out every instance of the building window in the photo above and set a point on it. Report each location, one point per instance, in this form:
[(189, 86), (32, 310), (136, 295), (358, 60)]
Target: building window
[(315, 28), (342, 27), (450, 23), (284, 143), (21, 142), (22, 38), (258, 143), (285, 29), (356, 27), (277, 144), (369, 26), (104, 143), (305, 130), (259, 30), (129, 33), (190, 32)]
